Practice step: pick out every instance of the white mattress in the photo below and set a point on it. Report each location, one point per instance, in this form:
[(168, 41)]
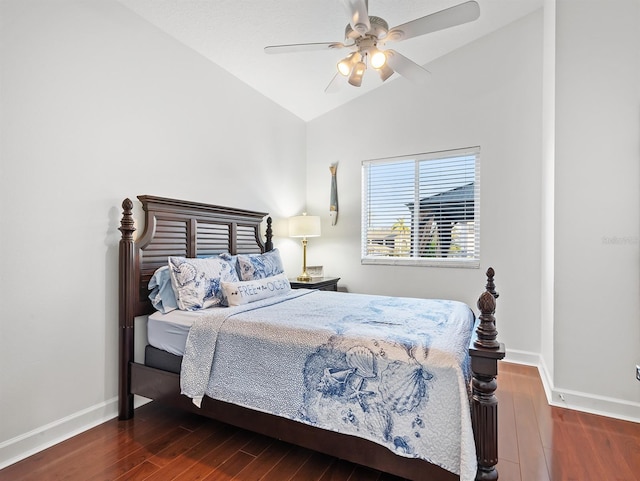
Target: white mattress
[(169, 331)]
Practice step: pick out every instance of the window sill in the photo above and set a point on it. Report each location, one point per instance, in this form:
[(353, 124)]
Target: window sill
[(421, 262)]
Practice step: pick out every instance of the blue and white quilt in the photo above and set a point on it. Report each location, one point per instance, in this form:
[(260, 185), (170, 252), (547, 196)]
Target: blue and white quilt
[(391, 370)]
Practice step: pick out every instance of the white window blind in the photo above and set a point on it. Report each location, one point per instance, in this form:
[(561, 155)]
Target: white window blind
[(422, 209)]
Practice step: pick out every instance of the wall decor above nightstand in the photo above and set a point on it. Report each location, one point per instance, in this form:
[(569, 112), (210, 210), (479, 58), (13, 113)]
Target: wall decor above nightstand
[(321, 283)]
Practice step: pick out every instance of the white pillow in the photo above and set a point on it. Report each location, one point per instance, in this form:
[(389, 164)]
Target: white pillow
[(196, 281), (244, 292)]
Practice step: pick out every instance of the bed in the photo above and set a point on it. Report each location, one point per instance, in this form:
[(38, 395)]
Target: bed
[(367, 368)]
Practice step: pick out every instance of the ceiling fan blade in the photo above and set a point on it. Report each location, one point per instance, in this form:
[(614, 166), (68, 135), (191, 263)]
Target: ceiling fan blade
[(449, 17), (358, 12), (407, 68), (336, 84), (303, 47)]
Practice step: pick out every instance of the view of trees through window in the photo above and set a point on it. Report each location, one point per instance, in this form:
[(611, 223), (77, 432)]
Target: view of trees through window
[(422, 209)]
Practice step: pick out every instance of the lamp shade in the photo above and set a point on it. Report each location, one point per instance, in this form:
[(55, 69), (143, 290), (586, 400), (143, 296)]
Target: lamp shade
[(304, 226), (357, 73)]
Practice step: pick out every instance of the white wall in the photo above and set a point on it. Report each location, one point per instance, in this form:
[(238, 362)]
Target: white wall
[(487, 94), (98, 105), (597, 204)]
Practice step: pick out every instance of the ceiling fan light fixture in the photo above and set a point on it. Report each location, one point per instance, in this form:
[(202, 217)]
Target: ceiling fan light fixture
[(378, 59), (345, 66), (357, 73)]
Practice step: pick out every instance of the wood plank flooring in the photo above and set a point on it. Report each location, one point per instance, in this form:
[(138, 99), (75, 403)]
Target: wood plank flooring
[(536, 442)]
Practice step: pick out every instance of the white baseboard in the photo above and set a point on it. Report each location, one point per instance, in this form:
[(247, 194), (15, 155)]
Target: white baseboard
[(523, 357), (25, 445), (579, 401), (594, 404)]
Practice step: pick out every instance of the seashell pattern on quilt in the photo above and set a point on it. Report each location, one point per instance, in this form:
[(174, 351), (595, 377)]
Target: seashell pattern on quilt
[(391, 370)]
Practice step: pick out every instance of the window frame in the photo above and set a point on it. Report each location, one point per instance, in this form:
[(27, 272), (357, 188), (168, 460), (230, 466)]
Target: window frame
[(413, 259)]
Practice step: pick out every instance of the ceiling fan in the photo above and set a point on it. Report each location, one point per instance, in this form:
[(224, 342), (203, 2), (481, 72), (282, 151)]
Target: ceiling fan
[(366, 34)]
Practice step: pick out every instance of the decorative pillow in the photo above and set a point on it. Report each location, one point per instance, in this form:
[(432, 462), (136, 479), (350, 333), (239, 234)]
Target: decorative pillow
[(231, 259), (162, 296), (259, 266), (244, 292), (196, 282)]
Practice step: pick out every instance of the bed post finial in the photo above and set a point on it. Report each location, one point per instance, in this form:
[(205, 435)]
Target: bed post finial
[(268, 246), (486, 330), (126, 224), (491, 287)]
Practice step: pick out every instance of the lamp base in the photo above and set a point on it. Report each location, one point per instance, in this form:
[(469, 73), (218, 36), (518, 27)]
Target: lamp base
[(304, 277)]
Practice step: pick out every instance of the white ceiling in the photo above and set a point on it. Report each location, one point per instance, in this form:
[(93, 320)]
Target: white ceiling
[(233, 34)]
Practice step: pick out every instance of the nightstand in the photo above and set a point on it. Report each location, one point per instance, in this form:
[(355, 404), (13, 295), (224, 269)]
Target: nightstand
[(321, 283)]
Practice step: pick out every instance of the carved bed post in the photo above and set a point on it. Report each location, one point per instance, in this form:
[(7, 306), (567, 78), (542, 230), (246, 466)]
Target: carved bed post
[(127, 310), (268, 246), (485, 353)]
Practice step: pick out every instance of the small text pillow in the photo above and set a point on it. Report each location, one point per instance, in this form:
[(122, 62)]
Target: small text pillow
[(244, 292)]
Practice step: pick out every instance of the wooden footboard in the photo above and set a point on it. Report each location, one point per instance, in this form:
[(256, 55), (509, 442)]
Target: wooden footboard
[(174, 227)]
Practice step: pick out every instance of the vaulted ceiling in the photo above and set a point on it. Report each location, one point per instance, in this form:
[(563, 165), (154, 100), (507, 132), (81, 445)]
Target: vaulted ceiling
[(233, 34)]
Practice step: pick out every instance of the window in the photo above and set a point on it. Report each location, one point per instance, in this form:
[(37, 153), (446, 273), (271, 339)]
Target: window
[(422, 209)]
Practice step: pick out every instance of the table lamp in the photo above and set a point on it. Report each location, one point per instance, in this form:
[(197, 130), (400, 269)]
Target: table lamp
[(304, 226)]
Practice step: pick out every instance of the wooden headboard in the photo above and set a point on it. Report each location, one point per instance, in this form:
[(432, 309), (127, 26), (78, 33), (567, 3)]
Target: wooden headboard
[(181, 228), (175, 228)]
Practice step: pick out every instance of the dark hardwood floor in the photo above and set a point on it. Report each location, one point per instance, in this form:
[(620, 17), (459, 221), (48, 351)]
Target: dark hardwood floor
[(537, 443)]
